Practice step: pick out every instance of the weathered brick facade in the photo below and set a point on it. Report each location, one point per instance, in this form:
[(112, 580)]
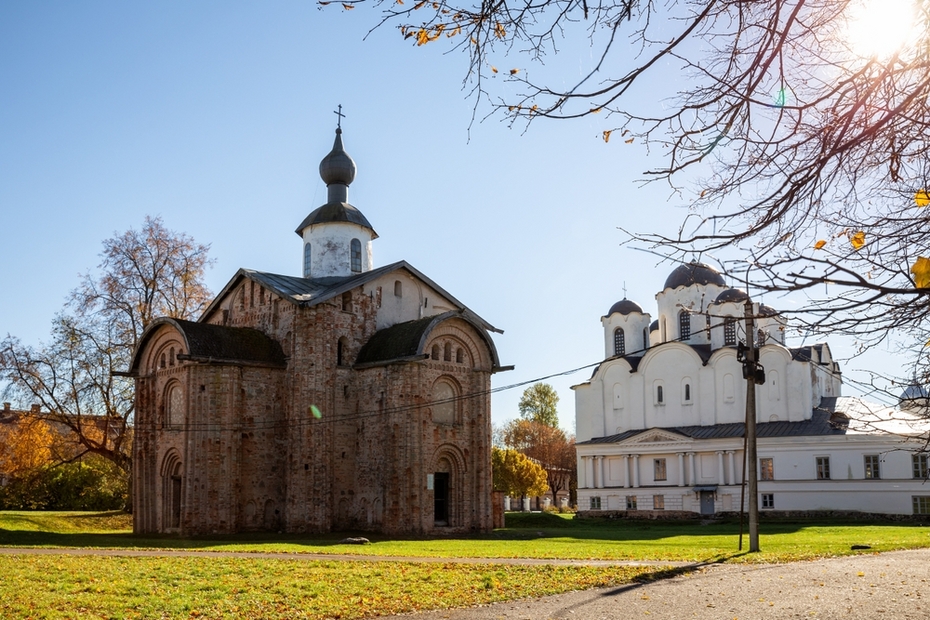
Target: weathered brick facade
[(228, 440)]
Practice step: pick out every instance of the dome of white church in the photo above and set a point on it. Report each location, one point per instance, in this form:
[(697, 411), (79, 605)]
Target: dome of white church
[(625, 306), (337, 166), (914, 392), (733, 295), (693, 273)]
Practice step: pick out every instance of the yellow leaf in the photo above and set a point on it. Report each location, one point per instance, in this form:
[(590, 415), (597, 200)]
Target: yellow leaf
[(499, 31), (493, 69), (510, 108), (858, 240), (921, 271), (595, 110), (703, 192), (607, 133), (534, 108), (422, 36), (514, 71), (922, 197), (400, 1), (348, 7), (630, 141), (819, 245), (419, 5)]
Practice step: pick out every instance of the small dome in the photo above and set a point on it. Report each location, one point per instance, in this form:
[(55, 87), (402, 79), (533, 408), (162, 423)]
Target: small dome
[(625, 306), (337, 167), (914, 392), (731, 294), (694, 273), (767, 310), (654, 325)]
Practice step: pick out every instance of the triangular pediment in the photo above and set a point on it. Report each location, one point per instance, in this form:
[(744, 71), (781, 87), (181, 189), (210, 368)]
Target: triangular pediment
[(656, 436)]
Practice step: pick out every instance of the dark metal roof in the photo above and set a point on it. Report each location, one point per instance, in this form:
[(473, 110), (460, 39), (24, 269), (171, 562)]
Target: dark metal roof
[(218, 343), (693, 273), (405, 342), (312, 291), (625, 306), (336, 212), (767, 310), (731, 294), (654, 325), (824, 421)]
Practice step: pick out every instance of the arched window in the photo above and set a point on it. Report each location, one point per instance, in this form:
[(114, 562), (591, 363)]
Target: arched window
[(686, 390), (660, 394), (347, 302), (443, 402), (161, 361), (619, 342), (307, 260), (459, 356), (174, 406), (171, 357), (434, 352), (341, 352), (684, 325), (356, 247), (729, 331), (447, 352), (398, 289)]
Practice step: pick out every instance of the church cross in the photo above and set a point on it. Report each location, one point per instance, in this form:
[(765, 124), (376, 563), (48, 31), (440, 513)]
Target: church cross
[(624, 289), (340, 115)]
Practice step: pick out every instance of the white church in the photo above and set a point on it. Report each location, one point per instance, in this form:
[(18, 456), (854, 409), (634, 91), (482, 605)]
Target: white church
[(660, 424)]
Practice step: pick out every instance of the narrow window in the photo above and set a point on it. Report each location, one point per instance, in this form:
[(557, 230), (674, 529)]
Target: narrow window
[(347, 302), (341, 352), (871, 467), (398, 289), (596, 502), (645, 338), (823, 468), (768, 501), (729, 331), (660, 395), (684, 325), (921, 466), (658, 502), (921, 504), (707, 323), (161, 361), (434, 352), (659, 467), (760, 338), (171, 357), (766, 469), (307, 254), (459, 356), (447, 352), (631, 502), (686, 391), (356, 256), (619, 342)]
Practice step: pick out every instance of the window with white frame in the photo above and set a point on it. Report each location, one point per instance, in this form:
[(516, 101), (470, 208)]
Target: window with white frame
[(684, 325), (921, 504), (823, 467), (307, 255), (596, 502), (356, 251), (729, 331), (921, 464), (766, 469), (631, 502), (658, 502), (871, 467), (768, 501), (659, 470)]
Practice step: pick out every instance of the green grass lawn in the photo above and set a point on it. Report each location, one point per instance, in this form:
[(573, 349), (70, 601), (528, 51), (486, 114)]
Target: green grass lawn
[(65, 586)]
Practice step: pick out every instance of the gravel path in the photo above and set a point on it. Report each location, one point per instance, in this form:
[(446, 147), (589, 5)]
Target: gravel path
[(876, 586)]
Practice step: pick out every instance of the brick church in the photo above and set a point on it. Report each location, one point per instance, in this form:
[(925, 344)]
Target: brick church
[(351, 398)]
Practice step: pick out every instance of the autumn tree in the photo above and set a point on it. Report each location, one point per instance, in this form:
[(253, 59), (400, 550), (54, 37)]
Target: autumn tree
[(539, 403), (516, 474), (75, 376), (797, 132), (549, 447)]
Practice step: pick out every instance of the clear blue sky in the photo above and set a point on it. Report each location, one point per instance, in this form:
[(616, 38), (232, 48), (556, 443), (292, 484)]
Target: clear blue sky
[(215, 115)]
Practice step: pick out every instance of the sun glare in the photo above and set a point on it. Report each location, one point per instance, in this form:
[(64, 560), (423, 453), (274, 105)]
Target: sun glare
[(879, 28)]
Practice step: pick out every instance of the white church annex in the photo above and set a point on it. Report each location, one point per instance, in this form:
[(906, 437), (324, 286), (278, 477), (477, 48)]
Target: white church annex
[(660, 424)]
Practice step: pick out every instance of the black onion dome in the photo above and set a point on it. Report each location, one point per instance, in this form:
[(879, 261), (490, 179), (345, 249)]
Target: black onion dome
[(731, 294), (625, 306), (654, 325), (338, 167), (767, 310), (694, 273), (914, 392)]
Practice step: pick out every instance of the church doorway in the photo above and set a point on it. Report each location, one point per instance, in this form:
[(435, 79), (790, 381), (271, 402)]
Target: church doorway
[(707, 502), (174, 518), (441, 499)]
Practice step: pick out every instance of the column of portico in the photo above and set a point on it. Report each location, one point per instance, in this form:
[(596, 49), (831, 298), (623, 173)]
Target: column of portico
[(721, 476), (588, 472), (625, 461), (635, 471), (732, 460), (691, 468), (681, 469), (599, 463)]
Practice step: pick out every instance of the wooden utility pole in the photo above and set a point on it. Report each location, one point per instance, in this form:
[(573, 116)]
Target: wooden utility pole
[(750, 371)]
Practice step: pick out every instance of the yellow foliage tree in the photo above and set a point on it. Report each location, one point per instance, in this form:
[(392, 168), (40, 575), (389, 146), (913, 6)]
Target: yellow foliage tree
[(25, 446), (516, 474)]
